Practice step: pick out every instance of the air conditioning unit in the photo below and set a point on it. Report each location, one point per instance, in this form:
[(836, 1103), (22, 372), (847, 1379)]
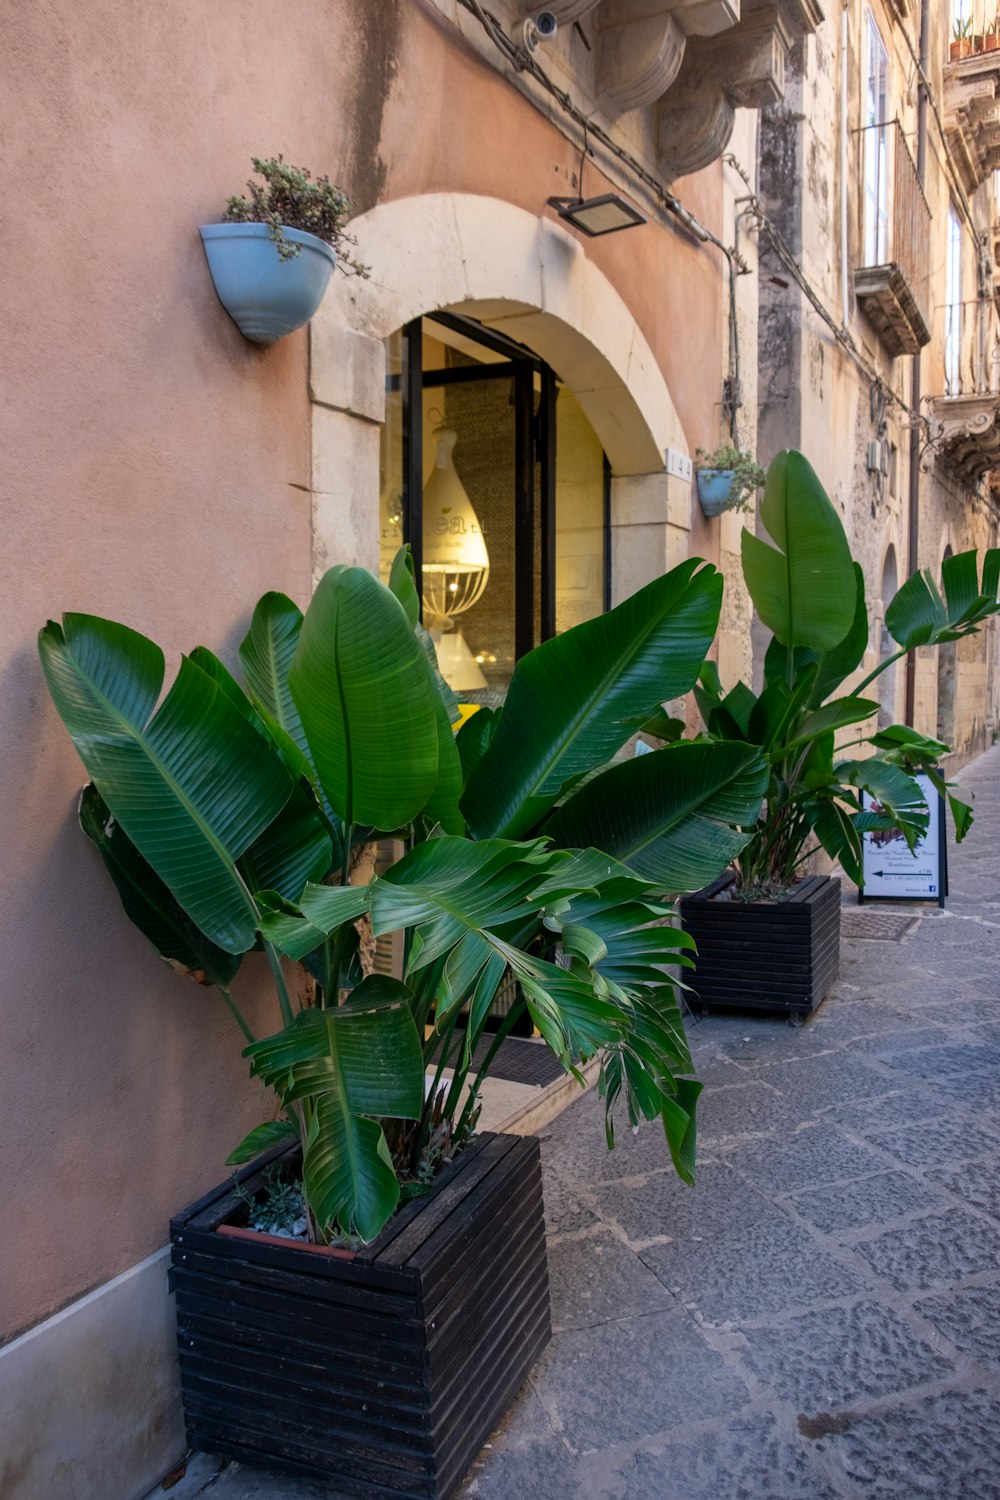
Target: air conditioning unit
[(878, 456)]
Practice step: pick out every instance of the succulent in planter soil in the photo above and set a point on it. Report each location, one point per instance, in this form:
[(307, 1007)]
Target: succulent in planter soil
[(289, 198)]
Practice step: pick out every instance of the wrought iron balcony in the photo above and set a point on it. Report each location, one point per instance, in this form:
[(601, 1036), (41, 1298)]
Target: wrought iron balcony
[(971, 89), (892, 282), (965, 421)]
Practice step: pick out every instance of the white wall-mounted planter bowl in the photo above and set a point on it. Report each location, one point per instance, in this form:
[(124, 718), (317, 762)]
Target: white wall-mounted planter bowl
[(265, 296), (715, 488)]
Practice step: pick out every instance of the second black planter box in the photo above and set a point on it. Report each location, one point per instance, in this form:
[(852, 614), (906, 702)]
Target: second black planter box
[(385, 1371), (765, 955)]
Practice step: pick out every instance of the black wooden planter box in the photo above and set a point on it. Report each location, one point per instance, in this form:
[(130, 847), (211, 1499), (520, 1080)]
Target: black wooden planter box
[(766, 955), (384, 1372)]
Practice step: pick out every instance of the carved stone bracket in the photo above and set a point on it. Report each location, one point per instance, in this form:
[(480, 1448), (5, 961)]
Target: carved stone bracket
[(965, 431), (742, 68), (972, 116), (700, 59), (640, 45)]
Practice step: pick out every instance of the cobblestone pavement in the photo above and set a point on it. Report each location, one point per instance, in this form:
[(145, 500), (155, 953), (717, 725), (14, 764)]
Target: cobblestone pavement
[(820, 1317)]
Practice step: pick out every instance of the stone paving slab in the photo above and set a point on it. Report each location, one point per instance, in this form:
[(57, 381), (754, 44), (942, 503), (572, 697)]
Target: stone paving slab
[(819, 1319)]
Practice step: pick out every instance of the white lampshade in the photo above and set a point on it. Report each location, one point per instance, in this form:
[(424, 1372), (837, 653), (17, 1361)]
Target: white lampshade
[(459, 667), (455, 563)]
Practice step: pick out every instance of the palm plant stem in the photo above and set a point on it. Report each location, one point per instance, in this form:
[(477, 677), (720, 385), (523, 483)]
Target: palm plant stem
[(502, 1032), (287, 1014)]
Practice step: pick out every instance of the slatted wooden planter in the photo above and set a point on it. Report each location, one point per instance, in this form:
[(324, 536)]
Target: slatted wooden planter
[(766, 955), (384, 1371)]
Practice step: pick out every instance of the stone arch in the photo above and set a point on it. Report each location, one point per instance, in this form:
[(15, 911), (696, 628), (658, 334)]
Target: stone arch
[(531, 279)]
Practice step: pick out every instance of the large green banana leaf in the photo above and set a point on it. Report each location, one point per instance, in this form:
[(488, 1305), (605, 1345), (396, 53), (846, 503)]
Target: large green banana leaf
[(576, 699), (293, 850), (897, 792), (803, 586), (361, 684), (220, 674), (266, 654), (837, 714), (301, 844), (147, 901), (354, 1064), (674, 817), (298, 929), (449, 886), (460, 895), (637, 945), (832, 667), (834, 826), (474, 737), (919, 616), (193, 786), (443, 806)]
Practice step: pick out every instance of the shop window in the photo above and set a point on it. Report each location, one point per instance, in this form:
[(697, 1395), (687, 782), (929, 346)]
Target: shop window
[(493, 474)]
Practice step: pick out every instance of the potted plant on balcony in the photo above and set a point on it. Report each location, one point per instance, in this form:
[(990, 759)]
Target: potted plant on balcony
[(727, 479), (272, 256), (767, 937), (380, 1349), (991, 37), (961, 43)]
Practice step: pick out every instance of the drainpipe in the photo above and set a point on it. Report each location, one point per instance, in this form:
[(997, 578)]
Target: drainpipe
[(913, 549), (844, 281)]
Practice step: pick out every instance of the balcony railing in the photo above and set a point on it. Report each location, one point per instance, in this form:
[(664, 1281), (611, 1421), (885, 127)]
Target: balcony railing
[(965, 421), (892, 283), (971, 349)]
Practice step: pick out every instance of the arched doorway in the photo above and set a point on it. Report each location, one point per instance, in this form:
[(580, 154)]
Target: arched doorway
[(527, 281), (887, 646)]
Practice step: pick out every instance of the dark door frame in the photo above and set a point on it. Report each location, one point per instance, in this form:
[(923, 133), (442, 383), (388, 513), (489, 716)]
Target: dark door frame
[(534, 443)]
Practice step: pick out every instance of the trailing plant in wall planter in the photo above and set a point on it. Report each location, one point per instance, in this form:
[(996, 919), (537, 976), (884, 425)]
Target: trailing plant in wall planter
[(768, 937), (274, 253), (727, 479), (381, 1345)]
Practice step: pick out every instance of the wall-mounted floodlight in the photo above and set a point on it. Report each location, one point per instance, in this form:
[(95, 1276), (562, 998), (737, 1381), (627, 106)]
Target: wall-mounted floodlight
[(594, 216)]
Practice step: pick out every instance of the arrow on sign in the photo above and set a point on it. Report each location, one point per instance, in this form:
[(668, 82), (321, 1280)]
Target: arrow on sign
[(899, 874)]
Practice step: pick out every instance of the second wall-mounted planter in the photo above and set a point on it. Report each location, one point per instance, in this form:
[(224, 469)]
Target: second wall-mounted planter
[(266, 296)]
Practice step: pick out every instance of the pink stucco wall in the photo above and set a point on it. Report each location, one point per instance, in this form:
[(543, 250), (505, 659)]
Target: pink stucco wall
[(154, 467)]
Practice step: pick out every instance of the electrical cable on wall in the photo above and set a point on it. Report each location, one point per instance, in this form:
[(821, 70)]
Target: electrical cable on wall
[(523, 62)]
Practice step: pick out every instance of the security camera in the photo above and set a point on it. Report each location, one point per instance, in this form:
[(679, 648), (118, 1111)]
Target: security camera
[(541, 29)]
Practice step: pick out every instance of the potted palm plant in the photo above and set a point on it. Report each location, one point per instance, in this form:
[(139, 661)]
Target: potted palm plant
[(768, 936), (727, 479), (365, 1296), (275, 251)]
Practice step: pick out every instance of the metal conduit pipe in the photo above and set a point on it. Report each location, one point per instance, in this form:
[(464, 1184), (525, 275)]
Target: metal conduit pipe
[(913, 529)]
